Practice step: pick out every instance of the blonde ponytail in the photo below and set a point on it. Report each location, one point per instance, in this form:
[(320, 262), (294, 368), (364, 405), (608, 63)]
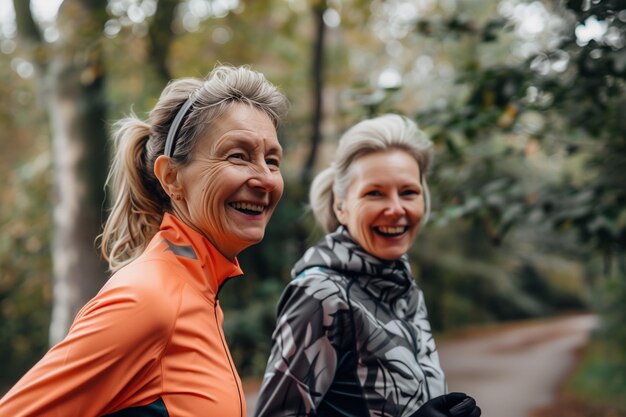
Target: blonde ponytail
[(135, 213)]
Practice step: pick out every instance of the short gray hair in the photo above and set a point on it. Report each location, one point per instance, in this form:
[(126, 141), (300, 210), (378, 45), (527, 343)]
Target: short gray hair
[(384, 133)]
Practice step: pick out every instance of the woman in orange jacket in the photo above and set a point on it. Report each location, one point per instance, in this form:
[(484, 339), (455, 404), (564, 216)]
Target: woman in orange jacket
[(194, 185)]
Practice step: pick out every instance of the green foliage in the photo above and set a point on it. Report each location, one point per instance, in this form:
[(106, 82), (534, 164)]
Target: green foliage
[(25, 288), (481, 283), (25, 228), (515, 113), (249, 330), (597, 380), (613, 331)]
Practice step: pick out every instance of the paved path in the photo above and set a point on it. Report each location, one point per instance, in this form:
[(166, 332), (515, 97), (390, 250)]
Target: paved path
[(511, 369), (515, 369)]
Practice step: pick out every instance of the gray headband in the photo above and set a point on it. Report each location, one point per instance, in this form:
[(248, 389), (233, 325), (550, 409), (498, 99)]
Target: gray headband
[(172, 134)]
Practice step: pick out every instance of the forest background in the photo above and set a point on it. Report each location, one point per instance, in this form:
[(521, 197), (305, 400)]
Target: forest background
[(525, 102)]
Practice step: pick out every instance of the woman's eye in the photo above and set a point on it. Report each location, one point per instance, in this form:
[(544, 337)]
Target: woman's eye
[(236, 156), (273, 162), (410, 192), (373, 193)]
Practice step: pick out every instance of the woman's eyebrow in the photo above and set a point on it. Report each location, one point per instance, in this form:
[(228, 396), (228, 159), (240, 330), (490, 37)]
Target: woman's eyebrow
[(246, 141), (382, 185), (275, 150)]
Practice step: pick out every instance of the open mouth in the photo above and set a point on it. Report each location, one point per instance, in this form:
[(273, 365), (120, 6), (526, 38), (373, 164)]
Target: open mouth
[(248, 208), (391, 231)]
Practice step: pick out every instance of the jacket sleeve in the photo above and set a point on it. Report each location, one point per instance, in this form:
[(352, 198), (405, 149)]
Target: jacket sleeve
[(303, 358), (117, 335)]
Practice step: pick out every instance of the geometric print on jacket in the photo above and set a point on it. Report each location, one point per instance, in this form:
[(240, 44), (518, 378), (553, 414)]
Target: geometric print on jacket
[(352, 338)]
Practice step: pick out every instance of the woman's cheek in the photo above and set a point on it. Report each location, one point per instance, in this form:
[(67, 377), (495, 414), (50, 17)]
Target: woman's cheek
[(208, 209)]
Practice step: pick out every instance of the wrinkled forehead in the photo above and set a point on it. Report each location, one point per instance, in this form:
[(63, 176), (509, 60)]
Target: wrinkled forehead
[(242, 126)]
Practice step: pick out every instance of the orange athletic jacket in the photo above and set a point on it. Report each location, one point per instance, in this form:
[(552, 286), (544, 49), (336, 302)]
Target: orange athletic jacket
[(149, 344)]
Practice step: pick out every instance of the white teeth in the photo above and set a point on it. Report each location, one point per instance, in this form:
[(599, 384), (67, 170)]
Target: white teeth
[(248, 206), (392, 230)]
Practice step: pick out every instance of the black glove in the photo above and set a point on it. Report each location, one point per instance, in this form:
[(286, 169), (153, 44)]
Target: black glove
[(454, 404)]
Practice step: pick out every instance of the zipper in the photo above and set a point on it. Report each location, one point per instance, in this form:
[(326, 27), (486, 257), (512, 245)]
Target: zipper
[(225, 346)]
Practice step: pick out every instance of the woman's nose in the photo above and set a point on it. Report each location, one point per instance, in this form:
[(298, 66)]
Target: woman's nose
[(263, 178), (394, 206)]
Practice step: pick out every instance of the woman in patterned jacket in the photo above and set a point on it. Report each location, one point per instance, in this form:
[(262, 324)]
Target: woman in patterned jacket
[(352, 335)]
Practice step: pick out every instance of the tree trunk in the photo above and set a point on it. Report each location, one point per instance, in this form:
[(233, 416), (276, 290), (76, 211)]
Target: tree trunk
[(77, 113), (72, 86), (161, 36), (317, 77)]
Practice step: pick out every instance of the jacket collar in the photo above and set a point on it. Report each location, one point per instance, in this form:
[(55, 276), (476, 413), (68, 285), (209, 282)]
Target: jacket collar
[(385, 280), (208, 267)]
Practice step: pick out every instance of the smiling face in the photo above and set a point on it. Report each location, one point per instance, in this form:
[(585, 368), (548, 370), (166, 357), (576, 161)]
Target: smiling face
[(384, 204), (233, 182)]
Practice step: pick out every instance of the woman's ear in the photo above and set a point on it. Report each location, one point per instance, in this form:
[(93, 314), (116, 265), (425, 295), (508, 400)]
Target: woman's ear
[(340, 213), (167, 174)]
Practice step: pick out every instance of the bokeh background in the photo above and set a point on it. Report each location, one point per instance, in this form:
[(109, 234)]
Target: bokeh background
[(525, 102)]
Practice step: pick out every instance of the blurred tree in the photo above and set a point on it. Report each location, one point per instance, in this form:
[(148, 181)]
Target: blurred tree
[(25, 264), (161, 35), (317, 87), (71, 79), (563, 102)]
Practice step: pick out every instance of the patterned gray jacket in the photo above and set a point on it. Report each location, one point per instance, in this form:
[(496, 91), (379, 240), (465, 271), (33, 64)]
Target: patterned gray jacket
[(352, 338)]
